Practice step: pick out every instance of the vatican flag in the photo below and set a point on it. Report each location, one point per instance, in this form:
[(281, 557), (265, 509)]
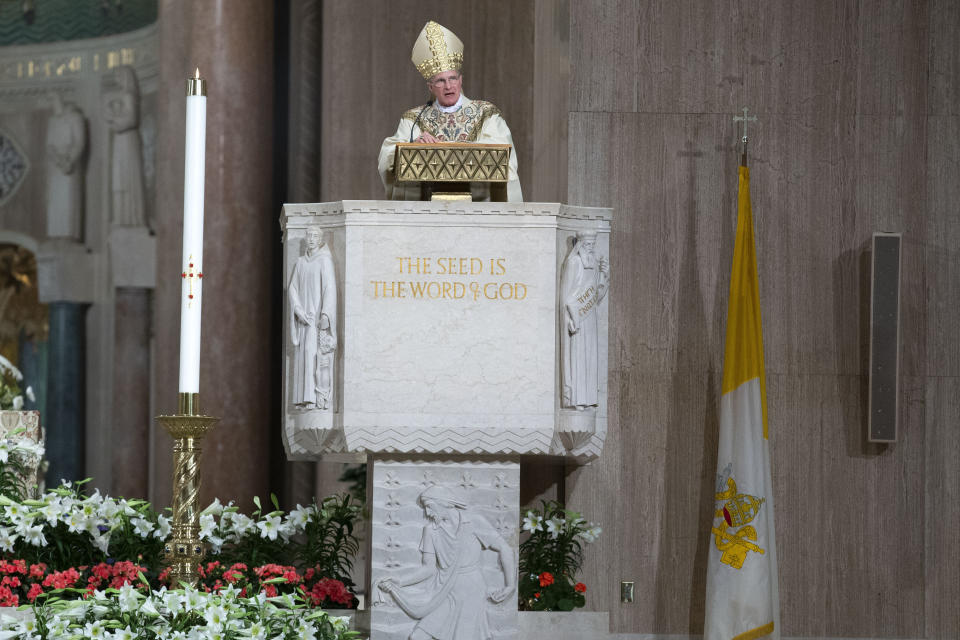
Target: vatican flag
[(742, 596)]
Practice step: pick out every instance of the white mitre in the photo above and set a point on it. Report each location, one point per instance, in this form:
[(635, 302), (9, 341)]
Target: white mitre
[(436, 50)]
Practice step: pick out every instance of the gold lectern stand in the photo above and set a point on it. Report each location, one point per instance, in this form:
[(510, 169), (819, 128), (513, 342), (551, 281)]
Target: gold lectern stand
[(446, 170)]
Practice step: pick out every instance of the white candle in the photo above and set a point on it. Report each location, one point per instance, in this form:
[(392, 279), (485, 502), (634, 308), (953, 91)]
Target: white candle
[(191, 296)]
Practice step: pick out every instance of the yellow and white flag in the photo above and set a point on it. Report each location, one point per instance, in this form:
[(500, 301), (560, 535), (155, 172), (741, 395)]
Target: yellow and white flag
[(742, 596)]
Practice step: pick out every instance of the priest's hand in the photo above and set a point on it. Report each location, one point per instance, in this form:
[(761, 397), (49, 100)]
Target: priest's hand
[(427, 137)]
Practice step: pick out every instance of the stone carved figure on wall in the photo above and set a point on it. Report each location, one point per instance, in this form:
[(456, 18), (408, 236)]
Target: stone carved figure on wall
[(584, 282), (453, 599), (312, 296), (66, 141), (121, 110)]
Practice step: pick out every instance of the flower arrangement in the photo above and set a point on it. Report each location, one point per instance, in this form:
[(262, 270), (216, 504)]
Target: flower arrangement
[(65, 529), (129, 612), (551, 557), (11, 398), (21, 583), (77, 536), (319, 538), (273, 580)]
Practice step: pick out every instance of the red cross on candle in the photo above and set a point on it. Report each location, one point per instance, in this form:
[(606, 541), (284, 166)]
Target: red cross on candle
[(190, 275)]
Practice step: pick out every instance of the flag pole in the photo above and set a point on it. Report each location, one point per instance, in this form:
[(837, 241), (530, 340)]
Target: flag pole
[(744, 119)]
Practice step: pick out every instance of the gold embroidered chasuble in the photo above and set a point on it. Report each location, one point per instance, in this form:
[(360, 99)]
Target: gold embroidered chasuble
[(475, 121)]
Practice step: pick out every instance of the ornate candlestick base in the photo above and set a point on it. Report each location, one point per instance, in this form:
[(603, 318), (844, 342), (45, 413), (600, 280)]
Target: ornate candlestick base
[(184, 552)]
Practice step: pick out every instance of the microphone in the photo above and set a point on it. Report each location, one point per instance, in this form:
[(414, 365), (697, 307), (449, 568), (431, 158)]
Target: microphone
[(416, 122)]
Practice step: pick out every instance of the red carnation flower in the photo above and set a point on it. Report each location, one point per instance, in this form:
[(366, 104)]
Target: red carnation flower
[(580, 587), (546, 579)]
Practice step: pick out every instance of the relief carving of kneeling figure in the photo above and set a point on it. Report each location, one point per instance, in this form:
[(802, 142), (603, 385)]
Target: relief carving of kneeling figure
[(453, 601)]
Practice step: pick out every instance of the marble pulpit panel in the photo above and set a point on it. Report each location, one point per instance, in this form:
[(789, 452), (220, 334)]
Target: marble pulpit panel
[(443, 549), (445, 338)]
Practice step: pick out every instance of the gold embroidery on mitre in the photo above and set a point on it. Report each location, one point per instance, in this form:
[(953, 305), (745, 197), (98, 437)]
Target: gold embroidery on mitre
[(436, 50), (736, 510)]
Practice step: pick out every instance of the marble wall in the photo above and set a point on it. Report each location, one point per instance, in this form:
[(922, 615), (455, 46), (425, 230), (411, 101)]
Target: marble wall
[(858, 132), (367, 80)]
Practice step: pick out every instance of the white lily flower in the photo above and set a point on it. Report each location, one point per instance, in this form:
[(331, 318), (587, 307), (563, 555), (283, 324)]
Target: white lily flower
[(532, 522), (555, 527), (256, 631), (15, 512), (300, 516), (306, 631), (17, 403), (95, 629), (102, 541), (7, 539), (207, 526), (241, 524), (123, 634), (109, 509), (52, 511), (34, 535), (163, 527), (215, 615), (269, 527), (128, 598), (142, 527), (214, 509), (30, 395)]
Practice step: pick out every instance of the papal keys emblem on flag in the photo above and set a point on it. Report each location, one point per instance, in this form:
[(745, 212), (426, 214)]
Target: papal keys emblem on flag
[(733, 534)]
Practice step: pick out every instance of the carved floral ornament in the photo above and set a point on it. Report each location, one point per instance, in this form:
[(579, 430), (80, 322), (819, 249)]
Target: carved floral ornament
[(13, 166)]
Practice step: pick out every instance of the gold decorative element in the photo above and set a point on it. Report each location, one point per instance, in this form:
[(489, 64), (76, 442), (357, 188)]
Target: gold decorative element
[(452, 162), (188, 404), (436, 50), (736, 510), (184, 551), (453, 196), (464, 125), (196, 86)]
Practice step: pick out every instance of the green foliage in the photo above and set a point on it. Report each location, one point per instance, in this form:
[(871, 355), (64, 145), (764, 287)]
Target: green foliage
[(551, 557), (330, 544), (356, 476)]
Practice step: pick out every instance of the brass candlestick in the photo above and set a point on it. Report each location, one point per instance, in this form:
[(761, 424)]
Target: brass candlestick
[(184, 552)]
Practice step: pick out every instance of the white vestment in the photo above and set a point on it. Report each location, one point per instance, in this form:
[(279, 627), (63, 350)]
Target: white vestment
[(475, 121)]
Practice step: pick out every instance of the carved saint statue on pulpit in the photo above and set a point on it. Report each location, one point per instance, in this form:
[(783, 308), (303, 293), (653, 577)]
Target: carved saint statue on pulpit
[(312, 296), (121, 110), (66, 140), (583, 285), (453, 602)]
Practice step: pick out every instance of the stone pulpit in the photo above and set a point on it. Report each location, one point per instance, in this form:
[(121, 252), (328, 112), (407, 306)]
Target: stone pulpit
[(440, 341)]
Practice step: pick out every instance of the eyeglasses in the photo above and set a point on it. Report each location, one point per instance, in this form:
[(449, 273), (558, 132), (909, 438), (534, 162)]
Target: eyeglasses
[(442, 82)]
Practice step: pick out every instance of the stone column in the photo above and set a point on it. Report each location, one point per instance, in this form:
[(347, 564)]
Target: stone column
[(66, 403), (232, 44), (130, 436)]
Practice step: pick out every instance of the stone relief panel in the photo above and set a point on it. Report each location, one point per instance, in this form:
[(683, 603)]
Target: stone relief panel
[(444, 550), (583, 286), (584, 282), (312, 315)]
